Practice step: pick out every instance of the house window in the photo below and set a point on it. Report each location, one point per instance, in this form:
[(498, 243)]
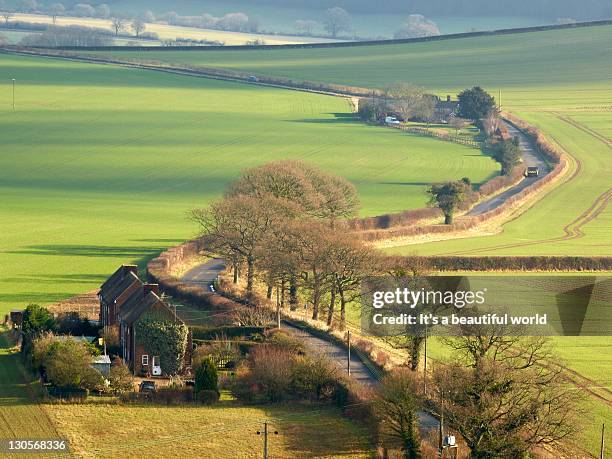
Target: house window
[(145, 360)]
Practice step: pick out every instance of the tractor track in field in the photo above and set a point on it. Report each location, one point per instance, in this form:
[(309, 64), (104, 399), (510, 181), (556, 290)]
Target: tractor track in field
[(573, 230), (602, 138)]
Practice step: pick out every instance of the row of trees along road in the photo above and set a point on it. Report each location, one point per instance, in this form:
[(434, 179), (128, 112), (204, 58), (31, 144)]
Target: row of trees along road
[(500, 391), (279, 222)]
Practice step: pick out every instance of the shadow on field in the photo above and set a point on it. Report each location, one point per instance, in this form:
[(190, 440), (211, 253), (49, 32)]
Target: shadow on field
[(339, 118), (55, 278), (327, 429), (405, 183), (25, 298), (89, 251)]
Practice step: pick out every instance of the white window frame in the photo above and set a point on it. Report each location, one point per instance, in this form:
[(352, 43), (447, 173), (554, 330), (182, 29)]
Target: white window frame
[(144, 360)]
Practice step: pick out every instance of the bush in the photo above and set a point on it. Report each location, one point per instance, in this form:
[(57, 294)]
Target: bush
[(206, 378), (266, 377), (208, 397), (71, 323), (283, 340), (67, 366), (314, 379), (120, 377)]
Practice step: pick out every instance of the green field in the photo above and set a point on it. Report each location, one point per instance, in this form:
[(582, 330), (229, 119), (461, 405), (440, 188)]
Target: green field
[(558, 80), (99, 164)]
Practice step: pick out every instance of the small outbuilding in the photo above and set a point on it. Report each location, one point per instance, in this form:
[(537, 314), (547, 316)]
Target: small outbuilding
[(102, 363)]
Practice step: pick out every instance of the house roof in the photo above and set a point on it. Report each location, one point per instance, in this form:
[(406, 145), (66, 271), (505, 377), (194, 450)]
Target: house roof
[(138, 303), (447, 104), (119, 282), (117, 276)]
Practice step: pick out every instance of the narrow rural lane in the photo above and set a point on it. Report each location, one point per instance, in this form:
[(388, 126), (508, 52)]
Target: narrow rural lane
[(204, 276), (531, 158)]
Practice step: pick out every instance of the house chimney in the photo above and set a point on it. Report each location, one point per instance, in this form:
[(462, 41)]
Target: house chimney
[(130, 269), (448, 98), (147, 288)]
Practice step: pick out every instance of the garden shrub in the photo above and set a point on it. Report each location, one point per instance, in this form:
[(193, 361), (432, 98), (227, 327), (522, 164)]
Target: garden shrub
[(206, 378), (313, 379), (120, 377)]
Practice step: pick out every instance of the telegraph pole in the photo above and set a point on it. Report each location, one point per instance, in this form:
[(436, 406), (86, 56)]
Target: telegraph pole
[(13, 94), (441, 433), (425, 364), (348, 346), (603, 443), (265, 435)]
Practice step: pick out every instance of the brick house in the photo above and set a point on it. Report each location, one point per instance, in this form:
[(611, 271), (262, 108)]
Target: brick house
[(115, 291), (124, 299)]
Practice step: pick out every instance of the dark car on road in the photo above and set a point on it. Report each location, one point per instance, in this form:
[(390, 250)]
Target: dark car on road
[(147, 387), (532, 172)]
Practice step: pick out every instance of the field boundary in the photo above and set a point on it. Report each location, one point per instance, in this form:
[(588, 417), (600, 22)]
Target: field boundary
[(345, 44)]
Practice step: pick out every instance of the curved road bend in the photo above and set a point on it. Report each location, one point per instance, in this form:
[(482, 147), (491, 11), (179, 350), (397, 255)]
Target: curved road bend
[(204, 276), (531, 158)]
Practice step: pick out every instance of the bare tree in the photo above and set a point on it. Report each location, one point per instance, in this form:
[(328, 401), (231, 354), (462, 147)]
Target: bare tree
[(237, 226), (316, 192), (306, 26), (28, 6), (416, 25), (103, 11), (313, 243), (407, 100), (397, 405), (458, 123), (337, 20), (56, 10), (350, 263), (7, 15), (117, 24), (138, 26), (491, 123), (506, 401), (84, 10)]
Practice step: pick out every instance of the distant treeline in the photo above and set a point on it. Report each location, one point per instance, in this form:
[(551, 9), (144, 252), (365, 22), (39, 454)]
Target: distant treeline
[(582, 10)]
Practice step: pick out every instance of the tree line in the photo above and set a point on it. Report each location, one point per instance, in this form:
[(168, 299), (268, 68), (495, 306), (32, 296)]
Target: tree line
[(591, 9)]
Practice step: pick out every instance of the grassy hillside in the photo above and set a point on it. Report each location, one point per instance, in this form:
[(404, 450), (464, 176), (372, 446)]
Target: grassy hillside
[(557, 80), (99, 164)]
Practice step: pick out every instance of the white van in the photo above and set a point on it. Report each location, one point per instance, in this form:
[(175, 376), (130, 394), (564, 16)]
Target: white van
[(391, 120)]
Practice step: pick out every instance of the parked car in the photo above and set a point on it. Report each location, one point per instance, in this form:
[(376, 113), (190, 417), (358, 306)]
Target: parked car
[(532, 172), (391, 120), (147, 387)]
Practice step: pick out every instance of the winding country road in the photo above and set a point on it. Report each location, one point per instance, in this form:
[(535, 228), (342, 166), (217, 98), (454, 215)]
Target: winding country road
[(531, 158), (205, 274)]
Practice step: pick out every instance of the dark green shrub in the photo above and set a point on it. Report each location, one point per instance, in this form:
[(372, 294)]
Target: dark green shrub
[(206, 377)]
